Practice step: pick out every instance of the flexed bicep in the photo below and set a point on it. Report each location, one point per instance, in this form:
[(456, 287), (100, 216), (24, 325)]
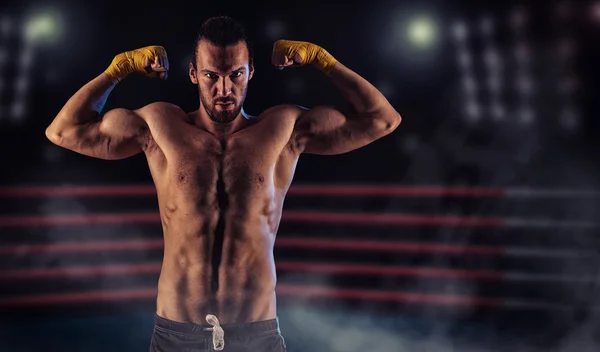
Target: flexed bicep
[(329, 131), (117, 135)]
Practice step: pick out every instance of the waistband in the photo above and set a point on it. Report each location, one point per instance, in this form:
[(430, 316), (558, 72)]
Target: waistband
[(204, 330)]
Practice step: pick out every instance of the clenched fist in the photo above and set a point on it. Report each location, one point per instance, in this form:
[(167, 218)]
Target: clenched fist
[(294, 53), (151, 61)]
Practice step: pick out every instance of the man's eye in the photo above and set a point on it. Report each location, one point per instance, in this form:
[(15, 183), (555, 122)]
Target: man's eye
[(236, 74), (211, 76)]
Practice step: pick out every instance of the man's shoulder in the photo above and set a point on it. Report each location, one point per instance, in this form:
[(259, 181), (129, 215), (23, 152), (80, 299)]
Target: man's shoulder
[(160, 110), (285, 111)]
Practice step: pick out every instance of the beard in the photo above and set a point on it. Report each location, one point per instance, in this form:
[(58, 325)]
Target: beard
[(224, 116)]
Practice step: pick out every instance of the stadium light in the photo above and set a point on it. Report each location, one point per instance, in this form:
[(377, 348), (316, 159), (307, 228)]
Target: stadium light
[(459, 31), (43, 27), (422, 31)]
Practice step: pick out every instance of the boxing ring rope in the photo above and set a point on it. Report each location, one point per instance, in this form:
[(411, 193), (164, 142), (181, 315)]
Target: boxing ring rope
[(311, 243), (289, 290), (308, 217), (315, 190), (290, 266), (293, 290), (297, 291), (299, 241)]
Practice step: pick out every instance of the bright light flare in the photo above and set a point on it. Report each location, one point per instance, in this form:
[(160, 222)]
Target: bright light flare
[(422, 31), (43, 27)]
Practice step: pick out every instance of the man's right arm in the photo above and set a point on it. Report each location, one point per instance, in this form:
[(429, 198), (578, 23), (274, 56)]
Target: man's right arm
[(119, 133), (80, 128)]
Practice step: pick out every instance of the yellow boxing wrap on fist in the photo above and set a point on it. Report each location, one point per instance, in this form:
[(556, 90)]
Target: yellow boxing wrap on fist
[(308, 52), (137, 60)]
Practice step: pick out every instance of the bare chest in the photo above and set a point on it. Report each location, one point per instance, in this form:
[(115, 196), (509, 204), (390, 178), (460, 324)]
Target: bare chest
[(233, 165), (198, 167)]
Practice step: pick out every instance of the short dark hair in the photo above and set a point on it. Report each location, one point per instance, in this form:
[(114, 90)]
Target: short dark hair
[(223, 31)]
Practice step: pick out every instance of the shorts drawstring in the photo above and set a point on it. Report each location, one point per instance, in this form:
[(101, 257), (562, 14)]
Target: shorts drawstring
[(218, 335)]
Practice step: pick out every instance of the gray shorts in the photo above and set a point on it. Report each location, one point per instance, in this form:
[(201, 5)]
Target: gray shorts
[(260, 336)]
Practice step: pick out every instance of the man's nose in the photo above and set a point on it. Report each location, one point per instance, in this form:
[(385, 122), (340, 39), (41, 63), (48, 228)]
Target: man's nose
[(224, 87)]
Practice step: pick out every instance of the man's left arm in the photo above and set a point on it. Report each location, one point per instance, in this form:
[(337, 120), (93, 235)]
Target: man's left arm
[(327, 130)]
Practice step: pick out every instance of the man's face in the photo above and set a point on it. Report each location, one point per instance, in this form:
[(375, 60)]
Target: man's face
[(222, 76)]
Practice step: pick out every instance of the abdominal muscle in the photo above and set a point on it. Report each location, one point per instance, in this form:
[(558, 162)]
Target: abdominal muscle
[(245, 289)]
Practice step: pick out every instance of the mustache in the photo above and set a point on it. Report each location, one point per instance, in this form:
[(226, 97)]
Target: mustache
[(224, 101)]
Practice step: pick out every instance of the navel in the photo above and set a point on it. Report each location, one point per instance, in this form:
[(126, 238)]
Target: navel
[(171, 207)]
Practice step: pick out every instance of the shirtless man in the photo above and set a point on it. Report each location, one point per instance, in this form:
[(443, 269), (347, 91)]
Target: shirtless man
[(221, 176)]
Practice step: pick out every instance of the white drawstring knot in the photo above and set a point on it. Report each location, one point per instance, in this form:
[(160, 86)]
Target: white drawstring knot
[(218, 335)]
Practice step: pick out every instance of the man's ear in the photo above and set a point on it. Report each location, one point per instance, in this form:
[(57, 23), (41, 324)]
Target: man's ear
[(193, 74), (251, 72)]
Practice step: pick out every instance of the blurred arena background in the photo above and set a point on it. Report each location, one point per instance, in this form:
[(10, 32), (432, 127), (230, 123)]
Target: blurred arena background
[(473, 227)]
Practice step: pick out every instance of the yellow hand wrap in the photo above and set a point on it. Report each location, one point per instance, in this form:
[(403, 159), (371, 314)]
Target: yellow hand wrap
[(309, 53), (137, 60)]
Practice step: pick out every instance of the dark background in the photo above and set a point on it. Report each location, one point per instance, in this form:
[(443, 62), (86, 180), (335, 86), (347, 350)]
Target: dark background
[(534, 287)]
